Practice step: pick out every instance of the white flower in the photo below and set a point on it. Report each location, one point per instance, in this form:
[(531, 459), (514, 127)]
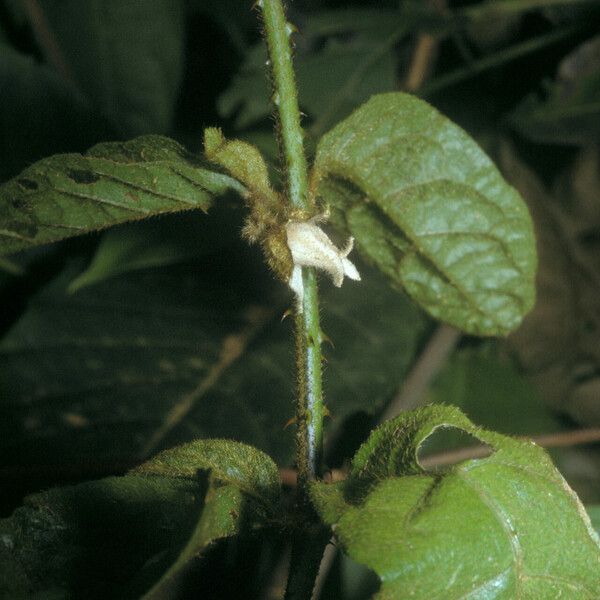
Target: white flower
[(310, 247)]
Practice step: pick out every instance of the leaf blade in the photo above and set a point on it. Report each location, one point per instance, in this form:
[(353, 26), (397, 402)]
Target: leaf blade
[(131, 64), (440, 205), (72, 194), (478, 529), (106, 529)]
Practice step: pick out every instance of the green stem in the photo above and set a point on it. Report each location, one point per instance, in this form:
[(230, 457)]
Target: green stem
[(285, 98), (309, 407), (310, 537)]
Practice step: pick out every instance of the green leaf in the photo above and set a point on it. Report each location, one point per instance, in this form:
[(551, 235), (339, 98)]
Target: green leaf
[(244, 488), (127, 57), (594, 513), (242, 466), (507, 526), (433, 213), (159, 357), (115, 537), (156, 242), (342, 58), (71, 194), (40, 114), (490, 388), (569, 112)]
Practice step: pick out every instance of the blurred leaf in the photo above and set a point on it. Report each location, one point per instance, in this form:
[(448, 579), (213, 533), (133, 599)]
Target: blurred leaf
[(491, 390), (557, 345), (10, 267), (72, 194), (40, 114), (490, 8), (496, 59), (570, 113), (227, 14), (114, 537), (431, 211), (481, 528), (159, 357), (342, 58), (156, 243), (594, 513), (127, 57)]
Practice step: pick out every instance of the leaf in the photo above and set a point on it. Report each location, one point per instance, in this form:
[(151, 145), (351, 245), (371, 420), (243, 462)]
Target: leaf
[(490, 388), (570, 111), (342, 58), (127, 57), (594, 513), (229, 462), (156, 242), (40, 114), (243, 480), (71, 194), (114, 537), (159, 357), (429, 208), (507, 526), (557, 346)]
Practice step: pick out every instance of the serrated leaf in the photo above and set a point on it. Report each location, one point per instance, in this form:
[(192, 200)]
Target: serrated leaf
[(127, 57), (72, 194), (149, 359), (115, 537), (507, 526), (430, 209)]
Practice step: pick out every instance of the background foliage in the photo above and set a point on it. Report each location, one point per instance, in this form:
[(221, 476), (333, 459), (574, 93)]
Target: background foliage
[(123, 343)]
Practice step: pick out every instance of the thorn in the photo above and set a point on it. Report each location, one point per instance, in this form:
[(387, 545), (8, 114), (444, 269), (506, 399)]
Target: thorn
[(327, 412), (287, 313), (325, 339), (291, 421)]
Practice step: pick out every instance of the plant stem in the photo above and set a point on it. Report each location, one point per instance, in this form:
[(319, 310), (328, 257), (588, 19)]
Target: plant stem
[(285, 98), (309, 403), (310, 537)]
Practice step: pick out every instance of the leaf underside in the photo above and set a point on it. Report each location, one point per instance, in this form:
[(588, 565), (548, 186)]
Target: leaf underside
[(430, 209), (72, 194), (115, 537), (507, 526)]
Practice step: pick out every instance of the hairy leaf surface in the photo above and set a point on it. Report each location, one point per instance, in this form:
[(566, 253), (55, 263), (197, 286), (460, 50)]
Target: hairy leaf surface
[(430, 209), (507, 526), (72, 194), (115, 537)]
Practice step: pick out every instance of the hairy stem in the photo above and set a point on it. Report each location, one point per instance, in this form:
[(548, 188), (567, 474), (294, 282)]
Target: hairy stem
[(309, 538), (309, 403), (285, 98)]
